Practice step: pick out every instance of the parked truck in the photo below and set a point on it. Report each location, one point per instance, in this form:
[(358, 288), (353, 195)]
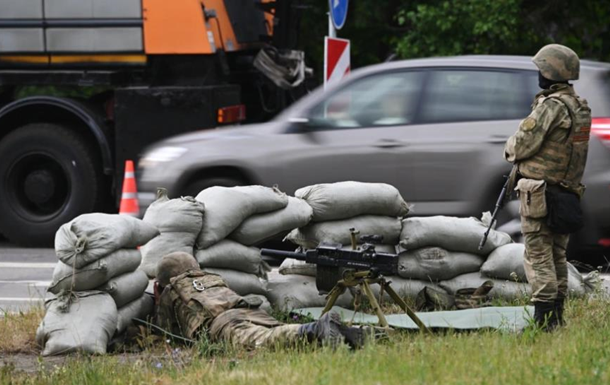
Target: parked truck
[(87, 84)]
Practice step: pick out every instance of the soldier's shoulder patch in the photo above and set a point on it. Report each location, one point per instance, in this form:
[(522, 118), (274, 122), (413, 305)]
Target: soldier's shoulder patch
[(528, 124)]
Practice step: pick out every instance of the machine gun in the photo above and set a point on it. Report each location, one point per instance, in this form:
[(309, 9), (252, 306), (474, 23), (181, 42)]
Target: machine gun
[(339, 269)]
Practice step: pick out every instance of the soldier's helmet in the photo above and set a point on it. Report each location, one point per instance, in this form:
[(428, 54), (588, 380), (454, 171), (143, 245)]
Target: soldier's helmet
[(557, 62), (174, 264)]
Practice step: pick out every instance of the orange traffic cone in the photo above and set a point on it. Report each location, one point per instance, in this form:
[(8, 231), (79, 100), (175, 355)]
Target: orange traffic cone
[(129, 198)]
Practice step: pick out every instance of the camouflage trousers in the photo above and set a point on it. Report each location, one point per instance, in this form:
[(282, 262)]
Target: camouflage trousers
[(545, 260), (253, 329)]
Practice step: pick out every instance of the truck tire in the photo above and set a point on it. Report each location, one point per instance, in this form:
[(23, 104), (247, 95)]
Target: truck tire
[(48, 175)]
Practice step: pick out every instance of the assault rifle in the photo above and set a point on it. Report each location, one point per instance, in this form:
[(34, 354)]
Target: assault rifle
[(507, 190), (339, 269)]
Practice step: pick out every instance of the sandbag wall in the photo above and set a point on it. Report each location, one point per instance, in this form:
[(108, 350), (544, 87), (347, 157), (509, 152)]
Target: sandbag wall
[(97, 287)]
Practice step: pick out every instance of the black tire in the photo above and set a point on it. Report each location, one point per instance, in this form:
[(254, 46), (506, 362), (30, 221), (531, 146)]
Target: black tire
[(196, 186), (48, 175)]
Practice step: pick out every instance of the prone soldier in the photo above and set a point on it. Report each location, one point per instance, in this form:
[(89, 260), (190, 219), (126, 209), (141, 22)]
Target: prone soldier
[(191, 301), (550, 151)]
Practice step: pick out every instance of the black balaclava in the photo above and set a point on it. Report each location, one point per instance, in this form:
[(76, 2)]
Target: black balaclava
[(545, 83)]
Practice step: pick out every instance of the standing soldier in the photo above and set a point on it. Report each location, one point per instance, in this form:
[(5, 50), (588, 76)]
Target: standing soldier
[(191, 302), (550, 152)]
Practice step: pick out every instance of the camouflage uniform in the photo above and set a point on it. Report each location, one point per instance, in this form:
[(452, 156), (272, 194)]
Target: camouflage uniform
[(550, 146), (198, 302)]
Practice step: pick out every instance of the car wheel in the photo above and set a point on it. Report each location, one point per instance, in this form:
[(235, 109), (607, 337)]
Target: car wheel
[(48, 176)]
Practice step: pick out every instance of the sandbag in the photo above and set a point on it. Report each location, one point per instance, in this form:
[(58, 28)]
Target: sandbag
[(126, 288), (405, 288), (266, 305), (436, 264), (162, 245), (506, 262), (286, 292), (90, 237), (506, 290), (450, 233), (349, 199), (310, 236), (95, 274), (231, 255), (140, 308), (85, 325), (179, 221), (294, 266), (261, 227), (240, 282), (228, 207), (576, 284)]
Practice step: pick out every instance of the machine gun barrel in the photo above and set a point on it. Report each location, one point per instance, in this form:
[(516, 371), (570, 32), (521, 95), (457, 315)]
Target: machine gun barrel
[(283, 254)]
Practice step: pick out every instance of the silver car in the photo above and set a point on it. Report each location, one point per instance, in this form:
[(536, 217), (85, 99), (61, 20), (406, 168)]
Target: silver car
[(434, 128)]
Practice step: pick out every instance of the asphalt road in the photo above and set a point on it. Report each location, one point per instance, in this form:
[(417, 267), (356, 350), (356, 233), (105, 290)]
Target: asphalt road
[(25, 275)]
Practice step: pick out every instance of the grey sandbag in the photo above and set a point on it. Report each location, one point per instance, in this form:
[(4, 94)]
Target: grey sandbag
[(310, 236), (179, 220), (436, 264), (506, 290), (265, 304), (95, 274), (294, 266), (90, 237), (231, 255), (350, 199), (126, 288), (576, 283), (85, 325), (228, 207), (450, 233), (240, 282), (140, 308), (261, 227), (405, 288), (506, 262), (287, 292)]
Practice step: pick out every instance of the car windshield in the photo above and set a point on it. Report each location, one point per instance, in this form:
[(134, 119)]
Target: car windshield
[(379, 100)]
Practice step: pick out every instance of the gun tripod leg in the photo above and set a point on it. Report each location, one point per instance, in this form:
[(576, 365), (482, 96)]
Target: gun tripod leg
[(333, 295), (406, 308), (371, 296)]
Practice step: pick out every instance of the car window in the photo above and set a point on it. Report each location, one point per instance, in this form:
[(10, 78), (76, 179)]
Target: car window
[(469, 95), (387, 99)]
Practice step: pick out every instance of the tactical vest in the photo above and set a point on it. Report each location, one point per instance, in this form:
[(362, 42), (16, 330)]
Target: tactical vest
[(563, 154)]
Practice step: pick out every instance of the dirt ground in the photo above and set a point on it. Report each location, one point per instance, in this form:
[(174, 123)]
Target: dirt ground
[(30, 363)]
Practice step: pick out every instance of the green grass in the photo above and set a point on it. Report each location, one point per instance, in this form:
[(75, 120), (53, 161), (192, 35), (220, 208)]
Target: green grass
[(576, 354)]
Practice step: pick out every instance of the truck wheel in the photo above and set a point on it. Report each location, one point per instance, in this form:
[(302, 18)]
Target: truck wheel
[(48, 176)]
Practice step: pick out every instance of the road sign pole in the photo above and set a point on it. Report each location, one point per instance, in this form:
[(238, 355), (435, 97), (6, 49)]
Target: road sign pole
[(332, 32)]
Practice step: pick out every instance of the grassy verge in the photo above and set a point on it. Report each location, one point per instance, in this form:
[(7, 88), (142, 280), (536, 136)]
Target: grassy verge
[(17, 330), (577, 354)]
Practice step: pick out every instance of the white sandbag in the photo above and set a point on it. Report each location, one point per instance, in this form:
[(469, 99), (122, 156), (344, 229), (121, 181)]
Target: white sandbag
[(405, 288), (286, 292), (228, 207), (126, 287), (503, 289), (240, 282), (86, 325), (310, 236), (154, 250), (349, 199), (179, 221), (95, 274), (265, 304), (294, 266), (506, 262), (139, 308), (231, 255), (576, 284), (89, 237), (436, 264), (450, 233), (261, 227)]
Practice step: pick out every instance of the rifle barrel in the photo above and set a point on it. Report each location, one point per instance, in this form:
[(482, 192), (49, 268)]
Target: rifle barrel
[(282, 254)]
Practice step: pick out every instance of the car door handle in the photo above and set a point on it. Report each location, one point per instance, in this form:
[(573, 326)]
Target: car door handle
[(497, 139), (389, 143)]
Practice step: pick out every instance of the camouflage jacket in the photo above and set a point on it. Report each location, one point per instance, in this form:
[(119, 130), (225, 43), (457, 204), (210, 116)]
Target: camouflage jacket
[(552, 142), (192, 300)]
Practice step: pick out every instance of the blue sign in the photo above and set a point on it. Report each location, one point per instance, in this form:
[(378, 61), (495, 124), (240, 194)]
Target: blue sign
[(338, 12)]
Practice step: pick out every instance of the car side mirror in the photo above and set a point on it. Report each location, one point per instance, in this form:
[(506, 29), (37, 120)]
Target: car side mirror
[(298, 125)]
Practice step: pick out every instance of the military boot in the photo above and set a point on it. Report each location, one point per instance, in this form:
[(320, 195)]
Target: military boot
[(559, 304), (330, 330), (545, 315)]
